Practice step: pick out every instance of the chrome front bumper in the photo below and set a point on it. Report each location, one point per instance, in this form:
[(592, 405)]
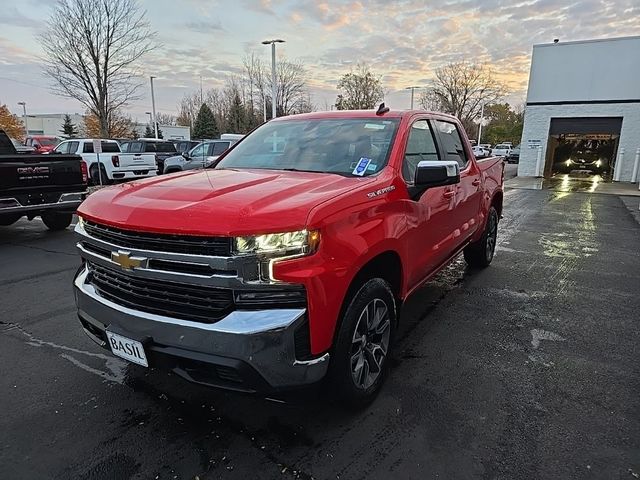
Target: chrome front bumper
[(254, 341)]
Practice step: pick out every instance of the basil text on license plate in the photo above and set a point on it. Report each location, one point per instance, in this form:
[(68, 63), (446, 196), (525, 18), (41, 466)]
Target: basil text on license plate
[(128, 349)]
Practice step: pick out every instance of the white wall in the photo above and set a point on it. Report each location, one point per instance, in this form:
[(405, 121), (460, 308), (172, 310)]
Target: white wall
[(537, 120), (51, 124), (169, 132), (584, 71)]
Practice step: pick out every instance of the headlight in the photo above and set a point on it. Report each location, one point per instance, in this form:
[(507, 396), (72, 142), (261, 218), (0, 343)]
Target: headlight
[(290, 243), (599, 163)]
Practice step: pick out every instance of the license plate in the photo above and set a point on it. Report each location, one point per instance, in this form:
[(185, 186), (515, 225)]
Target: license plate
[(128, 349)]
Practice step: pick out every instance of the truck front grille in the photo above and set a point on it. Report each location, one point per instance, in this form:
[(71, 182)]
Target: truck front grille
[(189, 244), (177, 300)]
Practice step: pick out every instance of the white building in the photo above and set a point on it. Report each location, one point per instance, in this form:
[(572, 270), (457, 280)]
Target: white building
[(169, 132), (583, 100), (51, 124)]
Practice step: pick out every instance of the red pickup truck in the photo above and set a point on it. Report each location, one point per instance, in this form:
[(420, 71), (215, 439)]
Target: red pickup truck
[(288, 260)]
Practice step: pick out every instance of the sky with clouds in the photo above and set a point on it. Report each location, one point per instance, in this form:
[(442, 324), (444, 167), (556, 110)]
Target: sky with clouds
[(403, 40)]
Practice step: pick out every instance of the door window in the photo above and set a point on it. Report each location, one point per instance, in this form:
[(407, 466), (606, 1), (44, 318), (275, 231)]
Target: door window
[(73, 147), (199, 151), (452, 143), (62, 148), (218, 148), (420, 146)]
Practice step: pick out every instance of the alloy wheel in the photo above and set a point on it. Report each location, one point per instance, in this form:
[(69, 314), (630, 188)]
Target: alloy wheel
[(370, 343)]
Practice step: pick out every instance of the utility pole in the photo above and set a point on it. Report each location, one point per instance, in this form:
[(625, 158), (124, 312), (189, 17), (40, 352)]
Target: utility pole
[(24, 117), (153, 108), (274, 87)]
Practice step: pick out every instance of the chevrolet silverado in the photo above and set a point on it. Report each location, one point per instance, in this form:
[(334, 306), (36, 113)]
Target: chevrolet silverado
[(286, 262)]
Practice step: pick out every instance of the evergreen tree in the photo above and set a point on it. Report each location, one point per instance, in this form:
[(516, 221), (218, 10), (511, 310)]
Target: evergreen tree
[(69, 129), (205, 125), (237, 116), (148, 132)]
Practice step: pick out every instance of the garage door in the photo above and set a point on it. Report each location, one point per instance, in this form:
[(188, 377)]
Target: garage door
[(609, 125)]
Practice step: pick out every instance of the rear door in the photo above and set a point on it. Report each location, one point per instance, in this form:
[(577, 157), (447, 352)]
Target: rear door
[(467, 195)]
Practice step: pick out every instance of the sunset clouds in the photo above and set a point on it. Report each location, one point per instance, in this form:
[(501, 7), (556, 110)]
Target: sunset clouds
[(403, 40)]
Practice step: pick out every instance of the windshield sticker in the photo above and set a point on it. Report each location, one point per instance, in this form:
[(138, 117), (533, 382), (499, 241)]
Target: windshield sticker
[(374, 126), (372, 167), (362, 166), (382, 191)]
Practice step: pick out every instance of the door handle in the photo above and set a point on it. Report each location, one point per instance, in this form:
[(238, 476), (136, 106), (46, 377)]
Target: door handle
[(476, 182), (449, 194)]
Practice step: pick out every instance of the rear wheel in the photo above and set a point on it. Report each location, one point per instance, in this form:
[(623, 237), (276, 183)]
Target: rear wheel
[(57, 221), (480, 254), (94, 177), (359, 359)]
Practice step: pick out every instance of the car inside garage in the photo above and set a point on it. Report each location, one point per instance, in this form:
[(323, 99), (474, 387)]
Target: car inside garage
[(582, 147)]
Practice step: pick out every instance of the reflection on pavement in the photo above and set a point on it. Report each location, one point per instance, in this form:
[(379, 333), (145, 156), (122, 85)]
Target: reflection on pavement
[(569, 183)]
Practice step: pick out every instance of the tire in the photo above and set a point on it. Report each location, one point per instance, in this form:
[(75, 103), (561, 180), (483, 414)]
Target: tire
[(6, 220), (363, 342), (94, 178), (57, 221), (480, 254)]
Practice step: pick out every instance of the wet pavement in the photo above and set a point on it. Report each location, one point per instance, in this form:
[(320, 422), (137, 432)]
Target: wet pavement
[(528, 369), (579, 182)]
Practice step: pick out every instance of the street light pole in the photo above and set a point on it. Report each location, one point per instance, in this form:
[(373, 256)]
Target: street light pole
[(480, 126), (24, 117), (153, 108), (274, 87), (412, 88)]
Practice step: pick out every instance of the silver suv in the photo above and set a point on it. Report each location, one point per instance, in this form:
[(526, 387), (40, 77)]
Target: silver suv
[(199, 156)]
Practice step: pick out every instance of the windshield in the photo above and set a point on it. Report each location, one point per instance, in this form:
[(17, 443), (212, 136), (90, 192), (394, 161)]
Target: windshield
[(343, 146)]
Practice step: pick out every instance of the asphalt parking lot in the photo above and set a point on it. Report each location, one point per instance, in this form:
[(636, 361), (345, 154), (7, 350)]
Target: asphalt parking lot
[(528, 369)]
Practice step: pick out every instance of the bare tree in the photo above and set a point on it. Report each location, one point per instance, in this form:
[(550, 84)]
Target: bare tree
[(165, 119), (461, 89), (91, 48), (360, 89)]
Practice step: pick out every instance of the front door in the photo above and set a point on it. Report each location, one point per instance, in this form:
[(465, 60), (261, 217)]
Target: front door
[(429, 214)]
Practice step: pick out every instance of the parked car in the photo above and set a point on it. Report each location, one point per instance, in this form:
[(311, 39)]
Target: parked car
[(20, 148), (162, 149), (41, 143), (35, 185), (514, 155), (274, 269), (114, 165), (183, 146), (480, 152), (200, 156), (501, 150)]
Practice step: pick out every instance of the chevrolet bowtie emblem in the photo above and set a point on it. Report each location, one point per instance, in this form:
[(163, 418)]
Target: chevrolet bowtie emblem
[(127, 262)]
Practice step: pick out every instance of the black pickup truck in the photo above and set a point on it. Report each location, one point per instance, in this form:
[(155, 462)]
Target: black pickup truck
[(47, 186)]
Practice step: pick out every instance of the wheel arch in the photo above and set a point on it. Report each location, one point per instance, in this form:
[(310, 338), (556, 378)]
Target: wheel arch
[(386, 265)]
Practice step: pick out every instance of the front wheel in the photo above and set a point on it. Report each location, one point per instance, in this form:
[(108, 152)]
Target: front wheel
[(359, 359), (480, 254), (57, 221)]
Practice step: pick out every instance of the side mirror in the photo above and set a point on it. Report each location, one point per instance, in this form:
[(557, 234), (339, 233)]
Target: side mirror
[(185, 155), (436, 174)]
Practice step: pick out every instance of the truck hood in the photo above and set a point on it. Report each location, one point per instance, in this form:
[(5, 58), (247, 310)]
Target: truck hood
[(217, 202)]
